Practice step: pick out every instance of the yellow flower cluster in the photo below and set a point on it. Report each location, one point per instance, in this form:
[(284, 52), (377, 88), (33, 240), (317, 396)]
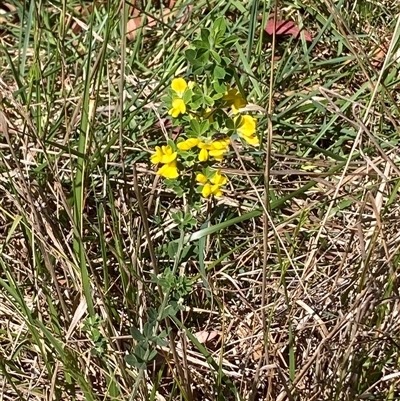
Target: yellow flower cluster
[(167, 156), (247, 129), (179, 86), (234, 100), (246, 123), (215, 148), (213, 185)]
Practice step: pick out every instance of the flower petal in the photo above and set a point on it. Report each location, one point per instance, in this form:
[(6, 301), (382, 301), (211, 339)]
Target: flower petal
[(166, 159), (220, 143), (219, 158), (203, 145), (218, 154), (156, 156), (234, 99), (168, 155), (201, 178), (247, 125), (219, 179), (206, 191), (169, 170), (166, 149), (216, 191), (203, 155), (188, 144), (179, 86), (251, 140), (178, 107), (238, 103)]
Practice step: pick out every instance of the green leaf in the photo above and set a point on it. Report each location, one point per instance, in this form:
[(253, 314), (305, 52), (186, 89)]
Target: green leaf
[(200, 44), (230, 124), (196, 102), (132, 361), (178, 217), (152, 355), (152, 315), (215, 56), (209, 101), (136, 334), (148, 329), (205, 36), (203, 56), (172, 249), (204, 127), (175, 186), (219, 72), (191, 55), (164, 333), (219, 27), (198, 70), (230, 40), (187, 96), (171, 143), (169, 311), (220, 88), (226, 60), (141, 350), (194, 124), (160, 342)]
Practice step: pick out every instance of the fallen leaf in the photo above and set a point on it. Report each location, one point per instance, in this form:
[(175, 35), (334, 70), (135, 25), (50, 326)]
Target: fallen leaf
[(151, 22), (7, 7), (258, 352), (186, 15), (285, 28), (379, 54), (205, 336), (82, 12), (137, 20), (132, 26)]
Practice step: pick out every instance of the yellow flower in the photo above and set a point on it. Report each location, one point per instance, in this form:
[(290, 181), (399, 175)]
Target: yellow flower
[(215, 149), (188, 144), (179, 86), (219, 179), (222, 143), (247, 129), (252, 140), (178, 107), (163, 155), (201, 178), (166, 156), (234, 99), (212, 186), (207, 190), (219, 147), (217, 154), (247, 126), (203, 155), (169, 170)]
